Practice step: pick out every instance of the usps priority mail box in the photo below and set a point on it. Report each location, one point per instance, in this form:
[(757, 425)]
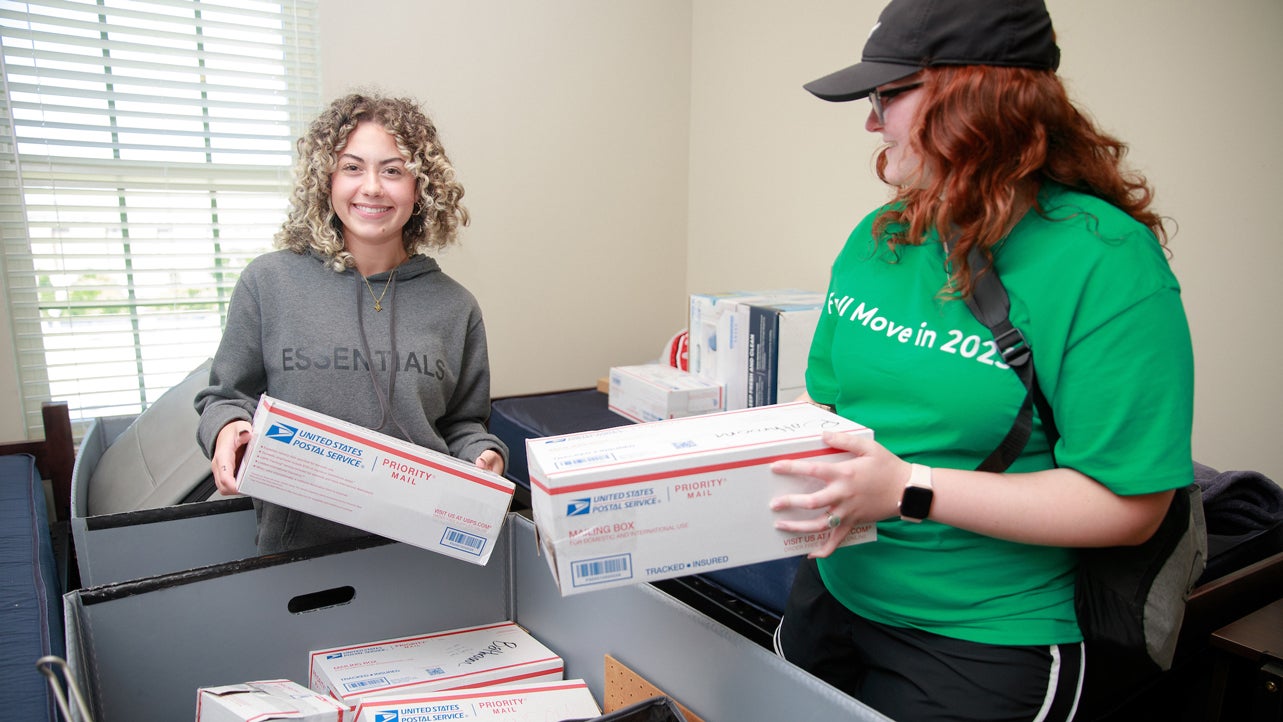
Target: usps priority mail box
[(682, 496), (273, 699), (653, 392), (346, 473), (533, 702), (483, 655)]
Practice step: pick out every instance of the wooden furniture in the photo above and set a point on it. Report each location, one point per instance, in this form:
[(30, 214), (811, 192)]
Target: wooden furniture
[(55, 457), (1248, 671), (1189, 692), (55, 454)]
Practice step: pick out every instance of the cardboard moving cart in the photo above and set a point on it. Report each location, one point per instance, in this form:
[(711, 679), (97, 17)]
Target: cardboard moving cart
[(141, 649), (113, 547)]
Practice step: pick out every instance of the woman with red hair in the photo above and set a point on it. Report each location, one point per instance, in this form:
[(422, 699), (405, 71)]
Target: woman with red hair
[(964, 606)]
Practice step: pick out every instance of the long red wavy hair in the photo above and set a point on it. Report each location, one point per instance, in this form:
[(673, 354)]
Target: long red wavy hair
[(989, 137)]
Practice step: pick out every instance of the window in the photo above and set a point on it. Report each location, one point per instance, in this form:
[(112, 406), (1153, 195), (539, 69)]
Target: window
[(146, 150)]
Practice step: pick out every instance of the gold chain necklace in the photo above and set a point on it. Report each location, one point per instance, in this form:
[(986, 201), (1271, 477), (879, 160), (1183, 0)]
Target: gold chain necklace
[(378, 300)]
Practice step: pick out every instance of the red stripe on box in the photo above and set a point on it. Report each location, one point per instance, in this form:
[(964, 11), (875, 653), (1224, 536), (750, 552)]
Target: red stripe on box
[(484, 683), (641, 478), (389, 450), (445, 696)]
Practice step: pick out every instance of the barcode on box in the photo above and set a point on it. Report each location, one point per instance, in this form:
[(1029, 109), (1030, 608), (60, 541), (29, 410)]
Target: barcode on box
[(579, 461), (463, 541), (362, 684), (602, 569)]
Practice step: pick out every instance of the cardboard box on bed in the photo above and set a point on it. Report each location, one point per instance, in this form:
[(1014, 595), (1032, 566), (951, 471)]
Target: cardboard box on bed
[(720, 336), (779, 342), (530, 702), (140, 649), (346, 473), (671, 498), (487, 654), (653, 392), (712, 335)]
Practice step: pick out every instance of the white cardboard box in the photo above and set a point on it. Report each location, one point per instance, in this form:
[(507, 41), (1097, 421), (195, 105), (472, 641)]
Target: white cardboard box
[(489, 654), (534, 702), (346, 473), (653, 392), (720, 332), (273, 699), (706, 311), (736, 334), (671, 498), (779, 343)]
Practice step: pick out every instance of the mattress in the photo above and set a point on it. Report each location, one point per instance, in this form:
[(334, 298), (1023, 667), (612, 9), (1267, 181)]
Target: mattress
[(30, 593)]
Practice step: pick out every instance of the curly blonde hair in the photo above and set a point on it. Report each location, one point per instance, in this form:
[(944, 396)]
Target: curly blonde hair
[(313, 224)]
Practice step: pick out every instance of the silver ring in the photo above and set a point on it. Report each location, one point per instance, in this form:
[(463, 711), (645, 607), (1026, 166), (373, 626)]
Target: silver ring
[(834, 521)]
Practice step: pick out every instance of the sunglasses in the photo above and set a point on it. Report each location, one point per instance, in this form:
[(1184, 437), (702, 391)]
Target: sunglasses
[(880, 99)]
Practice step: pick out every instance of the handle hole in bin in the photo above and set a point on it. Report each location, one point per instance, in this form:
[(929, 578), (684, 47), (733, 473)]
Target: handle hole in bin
[(323, 599)]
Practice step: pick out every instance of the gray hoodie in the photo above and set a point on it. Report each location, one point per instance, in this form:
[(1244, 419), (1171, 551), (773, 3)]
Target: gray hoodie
[(300, 332)]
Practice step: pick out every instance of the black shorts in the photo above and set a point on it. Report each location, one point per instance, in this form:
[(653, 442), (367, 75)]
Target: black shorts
[(909, 674)]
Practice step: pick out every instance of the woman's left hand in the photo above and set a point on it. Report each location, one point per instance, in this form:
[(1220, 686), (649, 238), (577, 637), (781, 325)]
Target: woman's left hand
[(490, 460), (860, 490)]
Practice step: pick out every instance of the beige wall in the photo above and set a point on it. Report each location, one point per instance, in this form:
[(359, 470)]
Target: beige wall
[(567, 121), (620, 154)]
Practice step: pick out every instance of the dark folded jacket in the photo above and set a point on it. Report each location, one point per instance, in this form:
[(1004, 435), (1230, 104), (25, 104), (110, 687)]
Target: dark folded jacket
[(1244, 511)]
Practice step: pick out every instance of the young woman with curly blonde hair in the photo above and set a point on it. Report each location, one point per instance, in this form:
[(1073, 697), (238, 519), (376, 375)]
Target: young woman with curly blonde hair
[(351, 318)]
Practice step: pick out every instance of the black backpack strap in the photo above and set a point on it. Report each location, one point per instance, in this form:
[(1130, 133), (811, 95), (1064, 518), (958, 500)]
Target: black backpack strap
[(990, 305)]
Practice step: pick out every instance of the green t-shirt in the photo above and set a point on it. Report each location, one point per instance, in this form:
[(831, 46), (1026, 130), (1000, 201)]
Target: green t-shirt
[(1093, 293)]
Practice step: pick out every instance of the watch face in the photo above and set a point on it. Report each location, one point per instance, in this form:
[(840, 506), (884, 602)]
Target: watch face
[(916, 502)]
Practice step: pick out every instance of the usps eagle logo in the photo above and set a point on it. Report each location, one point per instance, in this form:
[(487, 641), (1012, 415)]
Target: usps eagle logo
[(281, 432)]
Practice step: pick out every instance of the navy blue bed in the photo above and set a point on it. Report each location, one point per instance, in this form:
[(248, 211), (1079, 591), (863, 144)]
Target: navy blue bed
[(30, 591), (34, 552)]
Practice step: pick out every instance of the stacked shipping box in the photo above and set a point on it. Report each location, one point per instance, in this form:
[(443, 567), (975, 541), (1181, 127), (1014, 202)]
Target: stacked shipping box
[(746, 349)]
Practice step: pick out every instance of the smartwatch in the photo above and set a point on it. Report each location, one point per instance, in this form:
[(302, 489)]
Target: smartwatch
[(915, 503)]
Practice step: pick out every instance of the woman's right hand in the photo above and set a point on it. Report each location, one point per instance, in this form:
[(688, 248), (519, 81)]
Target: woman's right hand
[(861, 490), (229, 448)]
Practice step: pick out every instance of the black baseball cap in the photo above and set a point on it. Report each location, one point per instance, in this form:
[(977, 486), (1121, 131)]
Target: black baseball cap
[(914, 34)]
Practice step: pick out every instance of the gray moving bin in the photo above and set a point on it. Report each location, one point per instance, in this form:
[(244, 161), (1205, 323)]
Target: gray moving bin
[(147, 542), (141, 649)]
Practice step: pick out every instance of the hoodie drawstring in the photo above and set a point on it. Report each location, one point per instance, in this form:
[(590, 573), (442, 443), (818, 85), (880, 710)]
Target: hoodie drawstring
[(384, 400)]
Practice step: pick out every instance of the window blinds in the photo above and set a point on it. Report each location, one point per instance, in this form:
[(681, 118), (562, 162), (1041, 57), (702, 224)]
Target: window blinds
[(146, 149)]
